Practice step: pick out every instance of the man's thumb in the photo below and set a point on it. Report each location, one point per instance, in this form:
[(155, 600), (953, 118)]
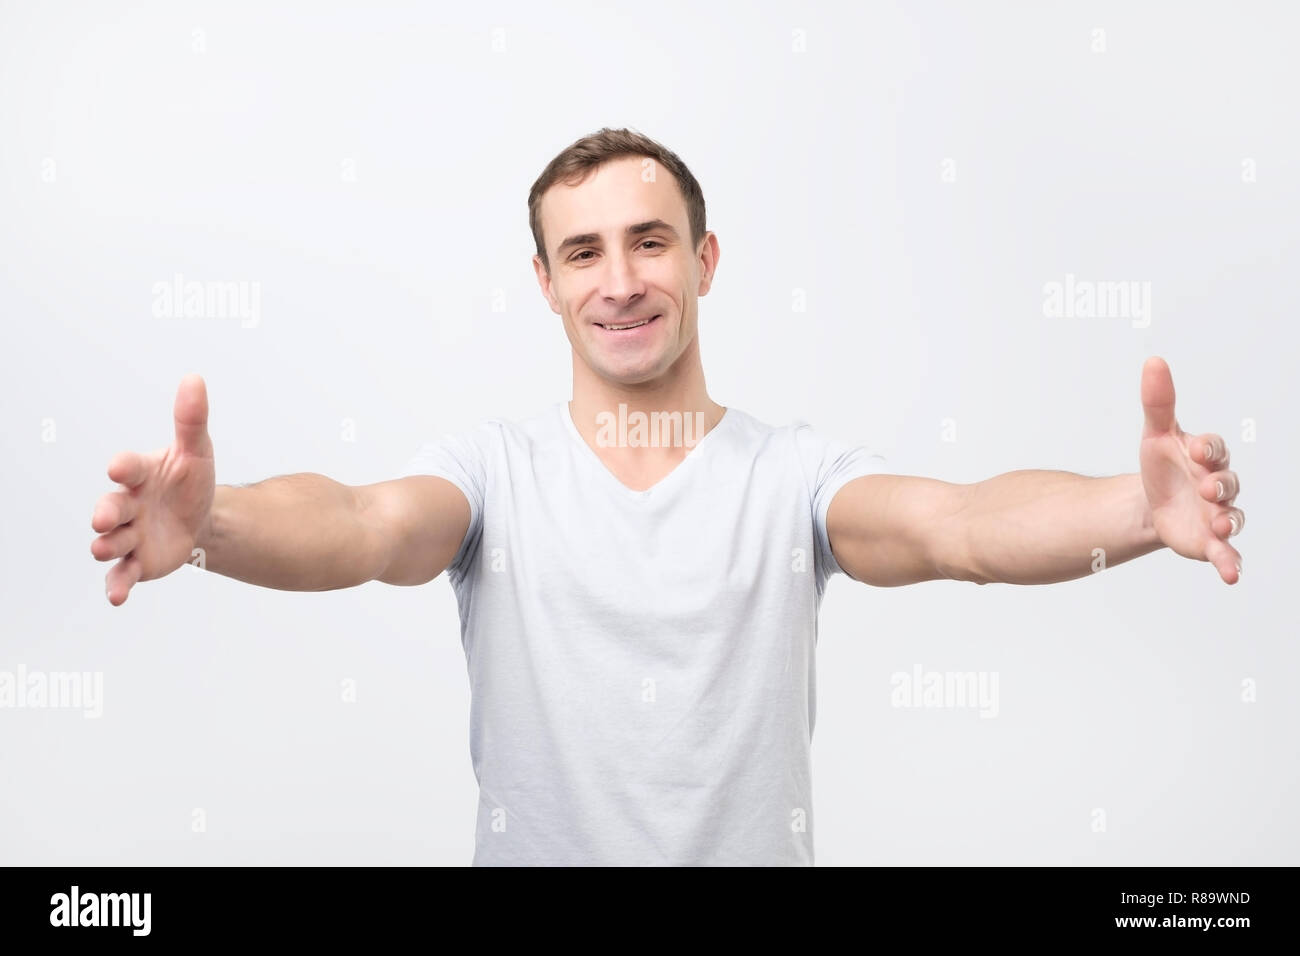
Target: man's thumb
[(191, 414), (1157, 398)]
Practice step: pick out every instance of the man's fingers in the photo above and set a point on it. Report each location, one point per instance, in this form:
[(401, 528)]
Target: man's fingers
[(1229, 523), (128, 468), (120, 579), (1221, 486), (1212, 451), (113, 509), (191, 416), (117, 543), (1157, 398), (1225, 558)]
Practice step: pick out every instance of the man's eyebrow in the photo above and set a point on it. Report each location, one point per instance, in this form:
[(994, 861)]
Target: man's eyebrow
[(593, 239)]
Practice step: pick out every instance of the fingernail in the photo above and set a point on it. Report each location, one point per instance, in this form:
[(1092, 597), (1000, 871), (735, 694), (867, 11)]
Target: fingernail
[(1238, 569), (1232, 520), (1209, 451), (1219, 484)]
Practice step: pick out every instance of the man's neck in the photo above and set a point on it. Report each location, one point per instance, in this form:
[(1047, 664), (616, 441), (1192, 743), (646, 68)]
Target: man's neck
[(641, 432)]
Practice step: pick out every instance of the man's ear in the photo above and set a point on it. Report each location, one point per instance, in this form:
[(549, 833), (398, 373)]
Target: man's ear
[(709, 255), (544, 281)]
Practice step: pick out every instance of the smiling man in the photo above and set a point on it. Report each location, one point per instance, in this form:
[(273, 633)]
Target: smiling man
[(639, 610)]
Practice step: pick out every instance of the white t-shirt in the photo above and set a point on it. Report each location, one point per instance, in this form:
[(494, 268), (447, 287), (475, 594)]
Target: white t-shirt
[(641, 663)]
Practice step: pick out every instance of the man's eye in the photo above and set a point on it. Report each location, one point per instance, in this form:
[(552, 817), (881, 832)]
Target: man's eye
[(578, 256)]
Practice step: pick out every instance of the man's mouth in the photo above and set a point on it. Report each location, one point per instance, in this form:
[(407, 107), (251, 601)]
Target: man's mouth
[(627, 326)]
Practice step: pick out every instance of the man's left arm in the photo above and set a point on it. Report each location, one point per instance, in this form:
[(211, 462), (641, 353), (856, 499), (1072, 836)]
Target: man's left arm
[(1040, 527)]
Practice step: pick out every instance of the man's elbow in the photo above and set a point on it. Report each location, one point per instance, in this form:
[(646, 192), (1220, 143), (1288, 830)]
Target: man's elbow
[(953, 550)]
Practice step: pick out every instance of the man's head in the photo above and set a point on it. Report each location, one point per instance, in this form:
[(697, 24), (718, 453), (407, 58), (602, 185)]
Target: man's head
[(620, 231)]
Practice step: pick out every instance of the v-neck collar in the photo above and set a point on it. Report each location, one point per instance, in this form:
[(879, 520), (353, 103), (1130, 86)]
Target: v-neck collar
[(657, 488)]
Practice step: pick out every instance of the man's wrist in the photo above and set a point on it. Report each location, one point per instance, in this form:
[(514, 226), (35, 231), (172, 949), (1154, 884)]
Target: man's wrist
[(208, 530), (1150, 538)]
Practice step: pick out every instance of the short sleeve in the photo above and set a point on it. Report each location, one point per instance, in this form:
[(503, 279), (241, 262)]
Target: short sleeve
[(828, 466), (458, 458)]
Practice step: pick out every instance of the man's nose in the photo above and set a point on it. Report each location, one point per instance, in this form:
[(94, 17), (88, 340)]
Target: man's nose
[(620, 281)]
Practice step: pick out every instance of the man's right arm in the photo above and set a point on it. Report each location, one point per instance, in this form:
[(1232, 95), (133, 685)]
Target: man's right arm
[(301, 532), (307, 532)]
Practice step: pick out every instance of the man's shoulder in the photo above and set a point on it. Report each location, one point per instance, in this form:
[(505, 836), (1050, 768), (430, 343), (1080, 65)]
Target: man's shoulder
[(538, 427), (534, 420), (759, 432)]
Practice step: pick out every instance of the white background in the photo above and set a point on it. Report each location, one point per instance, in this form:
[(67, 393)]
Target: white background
[(213, 140)]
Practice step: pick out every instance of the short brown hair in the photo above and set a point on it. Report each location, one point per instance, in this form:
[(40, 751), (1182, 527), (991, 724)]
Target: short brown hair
[(576, 162)]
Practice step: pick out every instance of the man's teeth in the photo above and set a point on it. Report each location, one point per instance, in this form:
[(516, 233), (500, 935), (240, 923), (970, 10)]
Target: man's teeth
[(630, 325)]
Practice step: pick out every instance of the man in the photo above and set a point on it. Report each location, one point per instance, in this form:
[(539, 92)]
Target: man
[(639, 570)]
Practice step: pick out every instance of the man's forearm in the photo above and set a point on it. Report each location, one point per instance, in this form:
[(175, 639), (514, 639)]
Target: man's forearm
[(299, 532), (1039, 527)]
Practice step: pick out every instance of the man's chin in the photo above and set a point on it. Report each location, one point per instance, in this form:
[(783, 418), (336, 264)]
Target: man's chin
[(628, 373), (630, 376)]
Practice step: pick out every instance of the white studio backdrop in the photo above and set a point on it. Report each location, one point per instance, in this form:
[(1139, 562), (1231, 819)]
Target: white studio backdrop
[(895, 190)]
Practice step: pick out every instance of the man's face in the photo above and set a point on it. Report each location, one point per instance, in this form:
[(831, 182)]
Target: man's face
[(620, 252)]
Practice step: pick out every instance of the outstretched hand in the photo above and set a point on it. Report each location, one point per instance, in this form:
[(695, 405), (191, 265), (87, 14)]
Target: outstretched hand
[(1189, 488), (162, 507)]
